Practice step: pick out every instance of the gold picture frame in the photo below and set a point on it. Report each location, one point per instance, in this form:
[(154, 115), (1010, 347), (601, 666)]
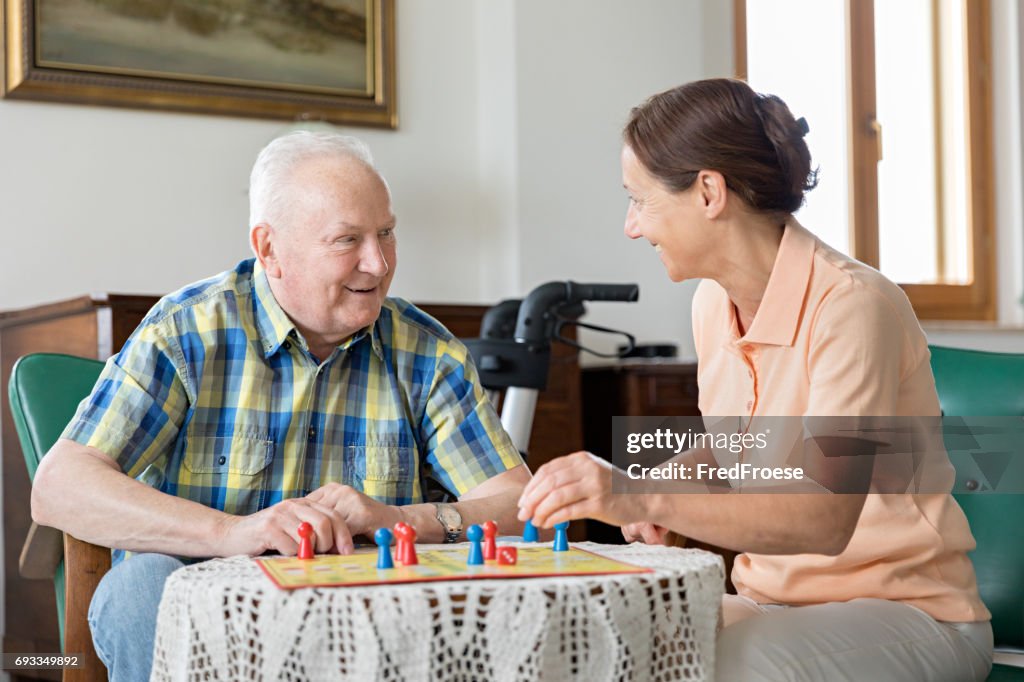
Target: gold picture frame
[(324, 60)]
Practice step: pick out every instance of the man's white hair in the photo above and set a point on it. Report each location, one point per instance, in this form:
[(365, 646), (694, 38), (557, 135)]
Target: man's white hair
[(270, 196)]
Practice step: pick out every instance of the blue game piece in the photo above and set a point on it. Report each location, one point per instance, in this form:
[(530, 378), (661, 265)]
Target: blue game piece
[(476, 552), (383, 539), (529, 532), (561, 537)]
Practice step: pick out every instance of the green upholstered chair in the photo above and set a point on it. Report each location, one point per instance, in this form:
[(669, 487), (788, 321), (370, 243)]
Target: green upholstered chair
[(44, 391), (976, 383)]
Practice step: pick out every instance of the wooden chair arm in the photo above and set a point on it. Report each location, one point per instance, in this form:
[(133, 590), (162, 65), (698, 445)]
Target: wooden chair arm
[(41, 553), (84, 565)]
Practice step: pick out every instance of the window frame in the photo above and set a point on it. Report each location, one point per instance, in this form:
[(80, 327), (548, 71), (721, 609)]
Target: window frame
[(977, 299)]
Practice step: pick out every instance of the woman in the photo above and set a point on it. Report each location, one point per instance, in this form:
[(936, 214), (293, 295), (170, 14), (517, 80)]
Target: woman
[(852, 586)]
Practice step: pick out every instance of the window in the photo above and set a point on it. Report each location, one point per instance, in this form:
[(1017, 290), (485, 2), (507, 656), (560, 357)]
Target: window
[(897, 98)]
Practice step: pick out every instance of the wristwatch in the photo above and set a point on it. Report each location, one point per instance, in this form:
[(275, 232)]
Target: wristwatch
[(450, 519)]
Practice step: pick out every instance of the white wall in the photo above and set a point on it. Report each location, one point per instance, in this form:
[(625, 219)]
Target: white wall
[(575, 92), (504, 168), (101, 199)]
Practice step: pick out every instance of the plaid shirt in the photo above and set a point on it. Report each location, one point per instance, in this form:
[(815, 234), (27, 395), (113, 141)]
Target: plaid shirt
[(216, 399)]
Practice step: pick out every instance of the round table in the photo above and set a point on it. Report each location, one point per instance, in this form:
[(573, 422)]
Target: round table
[(224, 619)]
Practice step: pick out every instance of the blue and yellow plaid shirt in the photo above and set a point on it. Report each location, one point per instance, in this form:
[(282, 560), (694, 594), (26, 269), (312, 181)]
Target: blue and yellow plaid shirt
[(216, 399)]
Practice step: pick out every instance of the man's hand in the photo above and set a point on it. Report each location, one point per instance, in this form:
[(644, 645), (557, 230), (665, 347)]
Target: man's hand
[(277, 528), (361, 514), (649, 533), (578, 486)]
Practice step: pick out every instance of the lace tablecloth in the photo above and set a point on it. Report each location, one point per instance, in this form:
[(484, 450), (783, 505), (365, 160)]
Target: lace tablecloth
[(225, 620)]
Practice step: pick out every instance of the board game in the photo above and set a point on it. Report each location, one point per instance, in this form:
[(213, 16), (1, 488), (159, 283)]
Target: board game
[(332, 570)]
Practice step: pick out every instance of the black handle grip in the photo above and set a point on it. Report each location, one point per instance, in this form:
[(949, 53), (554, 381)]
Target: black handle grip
[(604, 292), (535, 321), (499, 322)]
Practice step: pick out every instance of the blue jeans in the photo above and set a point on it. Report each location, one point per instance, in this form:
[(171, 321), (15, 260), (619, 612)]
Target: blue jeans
[(122, 615)]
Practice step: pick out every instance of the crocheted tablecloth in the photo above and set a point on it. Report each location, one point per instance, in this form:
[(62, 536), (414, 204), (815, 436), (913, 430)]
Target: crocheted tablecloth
[(225, 620)]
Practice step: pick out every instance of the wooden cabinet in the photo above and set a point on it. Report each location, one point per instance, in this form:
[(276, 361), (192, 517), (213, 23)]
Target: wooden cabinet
[(644, 388), (648, 388), (655, 388), (96, 327)]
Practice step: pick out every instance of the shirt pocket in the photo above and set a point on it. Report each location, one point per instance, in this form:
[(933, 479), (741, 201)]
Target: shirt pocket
[(218, 455), (226, 473), (388, 472)]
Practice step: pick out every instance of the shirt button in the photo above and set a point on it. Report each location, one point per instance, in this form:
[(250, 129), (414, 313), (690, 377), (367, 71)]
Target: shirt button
[(746, 348), (750, 374), (750, 403), (312, 433), (287, 345), (221, 460)]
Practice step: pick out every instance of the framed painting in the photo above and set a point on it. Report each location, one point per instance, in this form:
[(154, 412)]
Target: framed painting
[(331, 60)]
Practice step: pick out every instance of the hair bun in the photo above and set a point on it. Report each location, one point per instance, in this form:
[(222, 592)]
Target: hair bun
[(786, 135)]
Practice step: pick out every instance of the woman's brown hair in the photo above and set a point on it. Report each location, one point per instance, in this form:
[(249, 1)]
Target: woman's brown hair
[(721, 124)]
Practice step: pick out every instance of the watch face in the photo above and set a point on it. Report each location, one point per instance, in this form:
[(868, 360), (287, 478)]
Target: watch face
[(449, 516)]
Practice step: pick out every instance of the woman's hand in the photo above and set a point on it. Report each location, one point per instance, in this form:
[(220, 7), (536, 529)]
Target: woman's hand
[(579, 486), (649, 533)]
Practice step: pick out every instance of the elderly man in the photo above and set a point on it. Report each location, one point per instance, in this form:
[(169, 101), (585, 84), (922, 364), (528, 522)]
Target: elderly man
[(288, 389)]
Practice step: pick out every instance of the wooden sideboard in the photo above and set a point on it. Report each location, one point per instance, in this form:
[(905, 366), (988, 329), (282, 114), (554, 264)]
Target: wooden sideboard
[(643, 388), (97, 326), (648, 388)]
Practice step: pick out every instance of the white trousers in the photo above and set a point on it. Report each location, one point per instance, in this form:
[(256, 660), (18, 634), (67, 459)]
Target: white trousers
[(863, 639)]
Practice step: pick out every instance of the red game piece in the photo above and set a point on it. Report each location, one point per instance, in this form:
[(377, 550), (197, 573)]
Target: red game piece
[(305, 540), (490, 533), (399, 542), (508, 556), (406, 535), (410, 547)]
